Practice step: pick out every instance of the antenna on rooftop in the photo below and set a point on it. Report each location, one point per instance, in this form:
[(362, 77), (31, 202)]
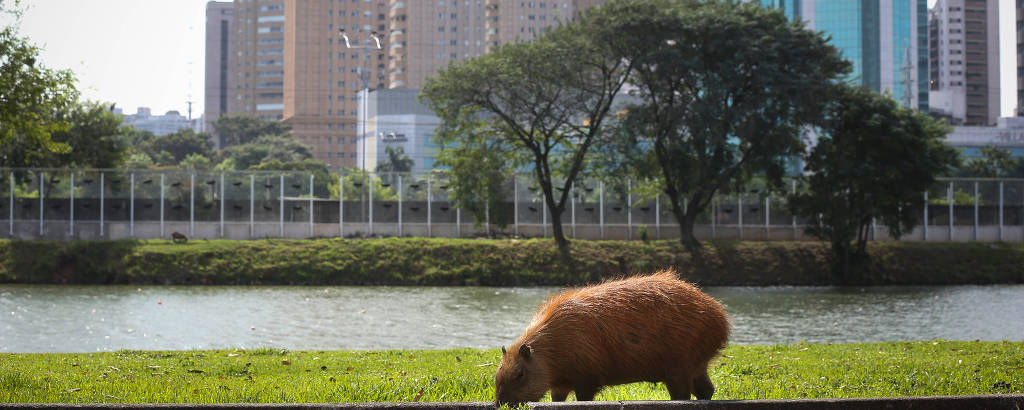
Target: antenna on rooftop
[(907, 80)]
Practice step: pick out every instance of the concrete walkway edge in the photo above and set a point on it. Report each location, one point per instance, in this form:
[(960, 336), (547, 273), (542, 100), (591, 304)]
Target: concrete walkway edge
[(1002, 401)]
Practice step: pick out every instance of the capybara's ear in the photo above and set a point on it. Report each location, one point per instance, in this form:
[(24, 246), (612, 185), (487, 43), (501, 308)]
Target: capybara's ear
[(525, 350), (503, 350)]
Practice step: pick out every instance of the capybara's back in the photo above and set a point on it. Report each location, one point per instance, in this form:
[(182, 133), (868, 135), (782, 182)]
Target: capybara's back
[(654, 328)]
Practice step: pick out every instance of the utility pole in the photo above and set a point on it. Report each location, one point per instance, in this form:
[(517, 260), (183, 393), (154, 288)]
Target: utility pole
[(907, 80)]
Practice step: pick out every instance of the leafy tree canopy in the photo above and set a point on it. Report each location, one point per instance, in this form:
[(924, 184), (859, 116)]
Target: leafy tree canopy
[(726, 90), (179, 145), (236, 129), (872, 162), (263, 149), (31, 97)]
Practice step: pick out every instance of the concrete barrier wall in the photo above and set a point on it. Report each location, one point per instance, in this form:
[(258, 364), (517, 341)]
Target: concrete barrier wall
[(994, 402)]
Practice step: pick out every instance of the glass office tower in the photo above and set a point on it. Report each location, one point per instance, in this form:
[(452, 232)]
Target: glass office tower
[(886, 40)]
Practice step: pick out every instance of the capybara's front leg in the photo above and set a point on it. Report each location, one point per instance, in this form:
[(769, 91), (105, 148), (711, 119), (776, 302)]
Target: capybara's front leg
[(558, 394), (702, 386), (679, 387)]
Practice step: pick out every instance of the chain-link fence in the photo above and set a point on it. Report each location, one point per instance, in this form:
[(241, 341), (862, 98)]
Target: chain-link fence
[(83, 204)]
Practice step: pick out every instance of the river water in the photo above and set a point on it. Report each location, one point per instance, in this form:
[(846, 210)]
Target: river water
[(45, 318)]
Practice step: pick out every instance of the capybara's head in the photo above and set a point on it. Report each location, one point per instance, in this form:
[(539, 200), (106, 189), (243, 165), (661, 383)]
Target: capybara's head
[(521, 377)]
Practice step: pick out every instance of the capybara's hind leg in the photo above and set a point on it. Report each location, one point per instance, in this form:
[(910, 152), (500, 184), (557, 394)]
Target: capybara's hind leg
[(679, 388), (559, 394), (702, 386)]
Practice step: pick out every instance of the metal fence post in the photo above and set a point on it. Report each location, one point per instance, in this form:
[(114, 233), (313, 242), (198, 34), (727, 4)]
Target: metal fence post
[(280, 211), (399, 205), (572, 208), (102, 208), (71, 223), (544, 217), (370, 220), (131, 205), (739, 212), (975, 210), (191, 204), (767, 218), (1000, 210), (949, 195), (430, 232), (221, 204), (458, 222), (714, 216), (657, 216), (10, 208), (629, 209), (795, 232), (252, 206), (341, 206), (42, 180), (601, 205), (926, 215), (161, 205), (515, 203), (311, 204)]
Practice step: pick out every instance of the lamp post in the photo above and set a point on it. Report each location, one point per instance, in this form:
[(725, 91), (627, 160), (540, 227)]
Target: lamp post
[(364, 75)]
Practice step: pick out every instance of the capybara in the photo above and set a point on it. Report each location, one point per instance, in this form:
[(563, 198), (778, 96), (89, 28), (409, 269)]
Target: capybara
[(178, 237), (654, 328)]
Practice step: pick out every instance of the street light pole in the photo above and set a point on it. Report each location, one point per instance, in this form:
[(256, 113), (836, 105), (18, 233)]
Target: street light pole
[(364, 75)]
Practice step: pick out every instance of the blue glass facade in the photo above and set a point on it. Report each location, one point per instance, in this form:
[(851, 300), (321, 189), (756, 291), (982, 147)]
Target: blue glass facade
[(856, 28)]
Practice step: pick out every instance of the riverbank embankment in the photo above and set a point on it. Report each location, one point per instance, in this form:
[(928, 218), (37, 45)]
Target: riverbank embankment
[(479, 262)]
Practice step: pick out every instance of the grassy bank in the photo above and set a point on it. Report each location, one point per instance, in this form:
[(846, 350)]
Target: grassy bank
[(436, 261), (271, 376)]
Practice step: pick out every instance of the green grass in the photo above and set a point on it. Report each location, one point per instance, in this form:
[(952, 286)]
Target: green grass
[(275, 376), (460, 262)]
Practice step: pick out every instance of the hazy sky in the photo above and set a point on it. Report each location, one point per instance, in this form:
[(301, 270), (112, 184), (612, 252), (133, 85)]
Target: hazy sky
[(150, 52)]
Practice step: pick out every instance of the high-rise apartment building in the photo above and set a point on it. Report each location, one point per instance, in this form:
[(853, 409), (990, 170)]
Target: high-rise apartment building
[(219, 28), (289, 62), (1020, 57), (886, 40), (964, 52), (427, 35)]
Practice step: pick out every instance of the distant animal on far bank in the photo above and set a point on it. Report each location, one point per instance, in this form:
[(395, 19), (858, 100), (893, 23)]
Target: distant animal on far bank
[(178, 237), (654, 328)]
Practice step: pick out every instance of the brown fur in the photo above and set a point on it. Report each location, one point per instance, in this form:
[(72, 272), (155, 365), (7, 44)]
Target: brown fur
[(653, 328)]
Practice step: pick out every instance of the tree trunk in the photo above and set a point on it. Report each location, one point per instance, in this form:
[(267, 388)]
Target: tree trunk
[(841, 260)]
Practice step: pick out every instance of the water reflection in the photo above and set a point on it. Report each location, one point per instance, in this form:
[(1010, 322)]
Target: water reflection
[(84, 318)]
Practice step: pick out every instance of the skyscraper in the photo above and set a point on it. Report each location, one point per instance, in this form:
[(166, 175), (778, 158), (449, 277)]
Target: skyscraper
[(1020, 57), (289, 63), (964, 52), (884, 39), (219, 24)]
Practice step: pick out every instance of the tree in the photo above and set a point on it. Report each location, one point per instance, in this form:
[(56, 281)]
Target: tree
[(872, 162), (195, 162), (726, 90), (31, 96), (397, 162), (96, 137), (237, 129), (263, 149), (546, 100), (179, 145), (479, 170), (995, 162)]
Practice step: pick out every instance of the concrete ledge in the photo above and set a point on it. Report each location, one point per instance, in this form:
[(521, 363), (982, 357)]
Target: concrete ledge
[(1007, 401)]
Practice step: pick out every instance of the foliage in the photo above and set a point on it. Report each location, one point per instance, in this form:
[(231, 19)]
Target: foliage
[(265, 375), (545, 100), (238, 129), (478, 168), (726, 91), (322, 176), (872, 162), (397, 162), (138, 160), (994, 162), (178, 145), (263, 149), (31, 99), (195, 162), (96, 137), (474, 262), (357, 187)]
